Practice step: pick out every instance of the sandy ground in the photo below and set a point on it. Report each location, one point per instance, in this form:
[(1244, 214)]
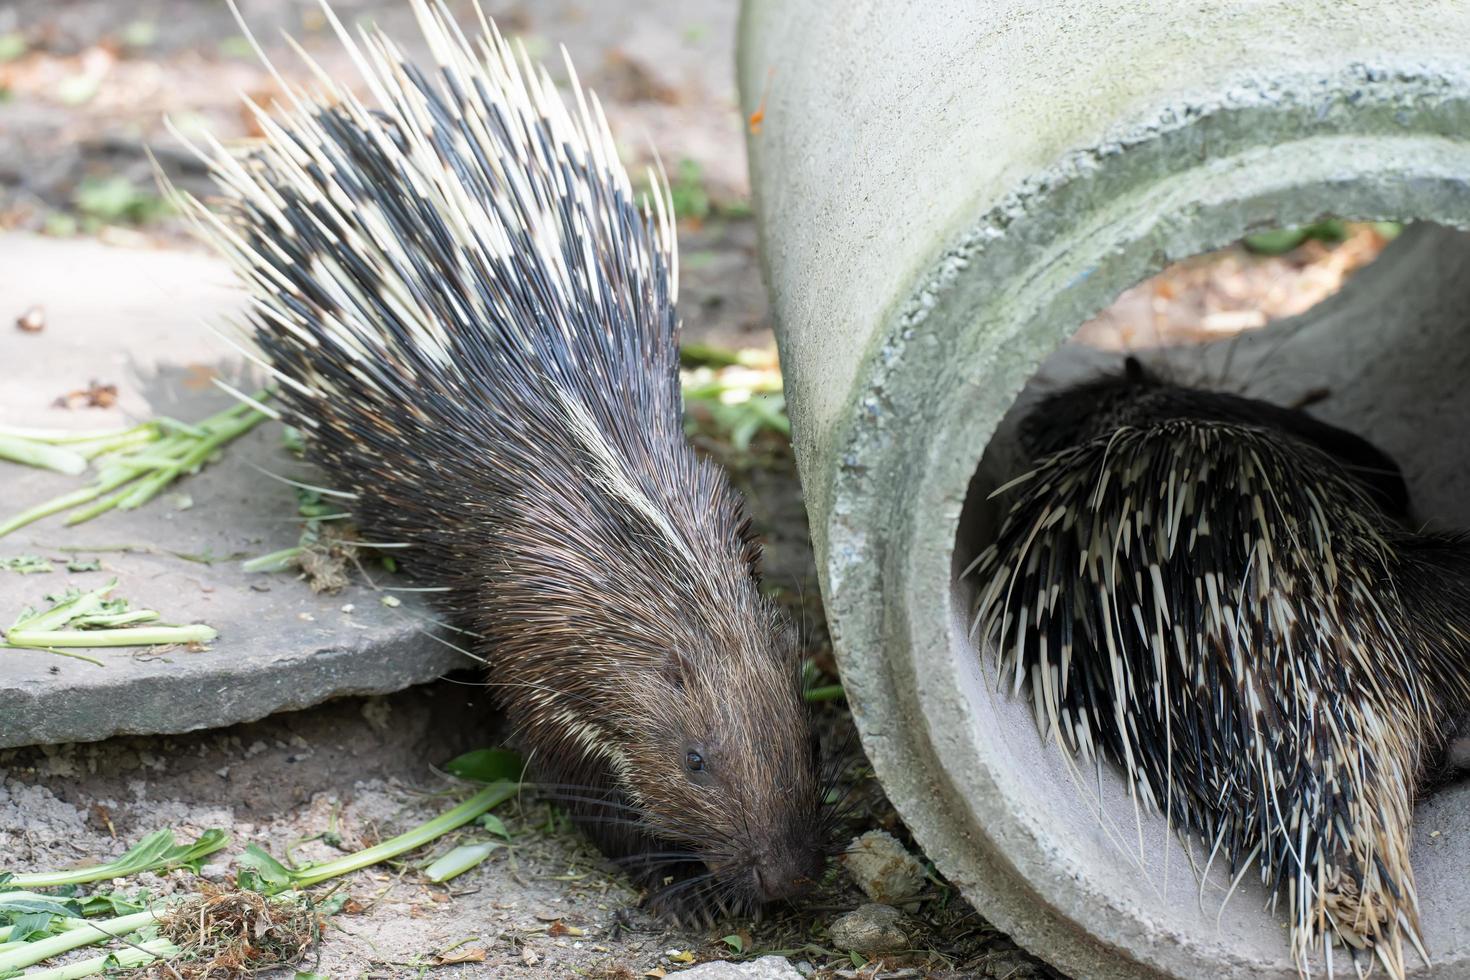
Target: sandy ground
[(81, 96)]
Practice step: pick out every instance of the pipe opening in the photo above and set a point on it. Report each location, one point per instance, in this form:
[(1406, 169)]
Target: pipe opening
[(1369, 337)]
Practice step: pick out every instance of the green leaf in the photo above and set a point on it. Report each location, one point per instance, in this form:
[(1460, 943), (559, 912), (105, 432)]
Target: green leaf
[(734, 942), (192, 856), (26, 903), (26, 565), (114, 903), (686, 191), (495, 825), (857, 959), (487, 766), (265, 868), (149, 851), (1277, 241), (334, 903), (23, 927), (116, 198)]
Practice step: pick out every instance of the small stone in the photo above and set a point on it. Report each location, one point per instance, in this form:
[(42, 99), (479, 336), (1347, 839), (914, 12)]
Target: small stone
[(765, 968), (869, 928), (882, 868), (215, 872), (529, 957)]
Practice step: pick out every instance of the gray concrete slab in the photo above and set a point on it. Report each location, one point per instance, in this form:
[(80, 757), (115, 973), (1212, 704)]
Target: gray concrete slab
[(139, 319)]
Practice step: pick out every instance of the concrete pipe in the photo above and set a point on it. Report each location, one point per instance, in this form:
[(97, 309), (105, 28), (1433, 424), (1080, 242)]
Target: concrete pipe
[(946, 190)]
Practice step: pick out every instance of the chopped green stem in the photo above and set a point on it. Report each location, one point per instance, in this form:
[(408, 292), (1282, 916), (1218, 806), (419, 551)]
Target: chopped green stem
[(114, 620), (157, 850), (183, 450), (65, 942), (145, 462), (832, 692), (42, 455), (100, 507), (460, 860), (147, 488), (139, 435), (148, 636), (276, 561), (491, 796), (63, 613), (180, 428), (60, 437), (128, 958), (113, 479)]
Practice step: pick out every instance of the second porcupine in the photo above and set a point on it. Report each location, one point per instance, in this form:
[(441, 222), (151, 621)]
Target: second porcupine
[(473, 324), (1215, 592)]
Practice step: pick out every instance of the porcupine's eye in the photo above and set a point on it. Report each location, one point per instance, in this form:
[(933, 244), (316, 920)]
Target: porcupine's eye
[(695, 765)]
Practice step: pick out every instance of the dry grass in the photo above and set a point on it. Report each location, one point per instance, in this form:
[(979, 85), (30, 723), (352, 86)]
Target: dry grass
[(230, 933)]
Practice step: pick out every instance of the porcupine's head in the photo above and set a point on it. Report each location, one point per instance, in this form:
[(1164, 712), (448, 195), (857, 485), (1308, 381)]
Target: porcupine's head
[(728, 766), (682, 744)]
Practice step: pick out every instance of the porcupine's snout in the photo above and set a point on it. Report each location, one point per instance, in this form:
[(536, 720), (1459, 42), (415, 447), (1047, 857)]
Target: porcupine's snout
[(786, 870)]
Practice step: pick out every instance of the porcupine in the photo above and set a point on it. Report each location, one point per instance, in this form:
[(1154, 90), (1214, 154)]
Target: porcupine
[(473, 323), (1217, 594)]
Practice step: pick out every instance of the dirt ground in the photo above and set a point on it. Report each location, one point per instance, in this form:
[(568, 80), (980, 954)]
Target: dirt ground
[(84, 87)]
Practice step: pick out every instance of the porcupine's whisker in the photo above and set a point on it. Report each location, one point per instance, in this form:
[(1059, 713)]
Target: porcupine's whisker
[(634, 863), (556, 796)]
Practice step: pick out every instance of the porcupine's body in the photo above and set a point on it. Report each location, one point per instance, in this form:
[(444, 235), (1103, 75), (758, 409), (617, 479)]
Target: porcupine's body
[(474, 326), (1208, 590)]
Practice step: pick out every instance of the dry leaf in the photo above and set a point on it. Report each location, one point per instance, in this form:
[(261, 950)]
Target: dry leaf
[(95, 395), (32, 320), (197, 377)]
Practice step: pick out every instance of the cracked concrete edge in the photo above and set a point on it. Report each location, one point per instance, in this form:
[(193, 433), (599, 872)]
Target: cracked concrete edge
[(218, 695)]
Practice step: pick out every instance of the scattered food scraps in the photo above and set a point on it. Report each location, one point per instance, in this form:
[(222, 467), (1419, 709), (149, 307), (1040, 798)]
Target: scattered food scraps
[(95, 395), (27, 565), (136, 463), (90, 619)]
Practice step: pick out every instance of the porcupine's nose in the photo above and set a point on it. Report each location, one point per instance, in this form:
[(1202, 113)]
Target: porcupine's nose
[(778, 877)]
